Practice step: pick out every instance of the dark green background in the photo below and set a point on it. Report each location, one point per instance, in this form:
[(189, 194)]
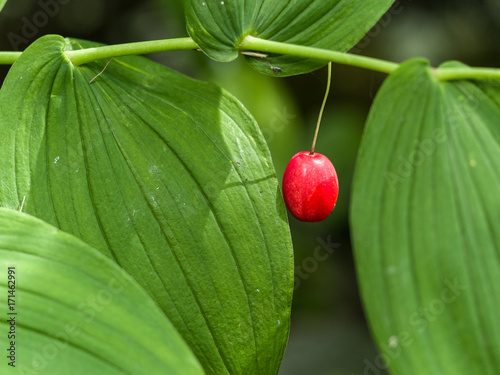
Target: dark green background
[(329, 334)]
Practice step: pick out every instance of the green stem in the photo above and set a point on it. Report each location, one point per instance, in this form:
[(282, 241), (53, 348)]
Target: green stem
[(261, 45), (9, 58), (328, 84), (449, 74), (443, 74), (84, 56)]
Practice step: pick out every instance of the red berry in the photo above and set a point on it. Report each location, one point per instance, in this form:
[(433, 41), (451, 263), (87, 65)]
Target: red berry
[(310, 186)]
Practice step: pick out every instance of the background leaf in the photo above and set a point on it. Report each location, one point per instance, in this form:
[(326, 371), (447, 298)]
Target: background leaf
[(218, 27), (425, 219), (168, 176), (77, 311)]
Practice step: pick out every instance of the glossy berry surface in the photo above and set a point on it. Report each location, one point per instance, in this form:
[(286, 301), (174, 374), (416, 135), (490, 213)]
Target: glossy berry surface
[(310, 186)]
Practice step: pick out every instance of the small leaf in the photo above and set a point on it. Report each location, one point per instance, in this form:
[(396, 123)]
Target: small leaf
[(218, 27), (425, 223), (170, 177), (72, 310)]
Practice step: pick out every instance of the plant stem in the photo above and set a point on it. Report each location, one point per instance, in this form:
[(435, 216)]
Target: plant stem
[(84, 56), (450, 74), (328, 84), (9, 58), (250, 43), (261, 45)]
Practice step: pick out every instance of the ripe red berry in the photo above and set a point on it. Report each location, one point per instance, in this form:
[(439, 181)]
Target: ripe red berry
[(310, 186)]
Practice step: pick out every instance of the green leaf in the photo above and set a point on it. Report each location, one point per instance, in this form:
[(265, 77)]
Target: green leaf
[(170, 177), (72, 310), (2, 4), (425, 221), (218, 27)]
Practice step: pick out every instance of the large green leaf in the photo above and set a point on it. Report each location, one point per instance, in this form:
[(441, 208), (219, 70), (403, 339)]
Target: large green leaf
[(169, 176), (2, 4), (426, 223), (72, 310), (218, 27)]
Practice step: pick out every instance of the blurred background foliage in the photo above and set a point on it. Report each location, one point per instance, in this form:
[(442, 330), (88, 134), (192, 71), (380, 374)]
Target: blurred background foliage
[(329, 334)]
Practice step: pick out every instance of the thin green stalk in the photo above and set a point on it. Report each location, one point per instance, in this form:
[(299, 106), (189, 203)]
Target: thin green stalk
[(84, 56), (251, 43), (9, 58), (328, 84)]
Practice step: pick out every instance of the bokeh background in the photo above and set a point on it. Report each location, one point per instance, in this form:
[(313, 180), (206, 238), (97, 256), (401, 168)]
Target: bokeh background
[(329, 333)]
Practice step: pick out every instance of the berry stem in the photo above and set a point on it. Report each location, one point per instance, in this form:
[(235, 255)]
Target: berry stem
[(328, 84)]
